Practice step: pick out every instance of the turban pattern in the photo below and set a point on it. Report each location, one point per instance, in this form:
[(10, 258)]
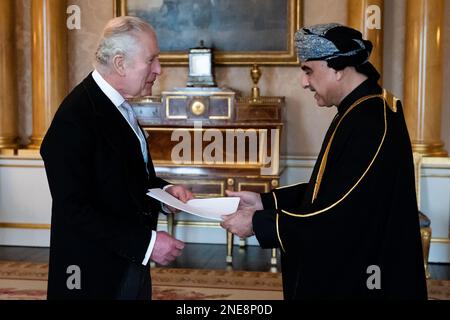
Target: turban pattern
[(338, 45)]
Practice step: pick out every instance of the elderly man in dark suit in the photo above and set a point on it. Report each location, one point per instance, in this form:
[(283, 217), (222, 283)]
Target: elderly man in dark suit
[(99, 170)]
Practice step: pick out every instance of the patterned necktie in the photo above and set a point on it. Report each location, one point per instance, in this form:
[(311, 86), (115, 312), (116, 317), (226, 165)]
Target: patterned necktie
[(129, 114)]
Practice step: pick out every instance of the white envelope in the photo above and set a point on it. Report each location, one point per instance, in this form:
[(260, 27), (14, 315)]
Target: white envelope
[(210, 208)]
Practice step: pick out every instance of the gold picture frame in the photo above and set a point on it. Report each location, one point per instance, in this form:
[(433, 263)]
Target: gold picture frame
[(266, 25)]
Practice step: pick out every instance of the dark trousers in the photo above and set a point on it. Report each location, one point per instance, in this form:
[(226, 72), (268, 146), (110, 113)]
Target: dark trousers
[(136, 285)]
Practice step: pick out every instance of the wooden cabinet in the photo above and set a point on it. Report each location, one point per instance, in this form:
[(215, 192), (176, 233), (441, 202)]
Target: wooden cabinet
[(212, 141)]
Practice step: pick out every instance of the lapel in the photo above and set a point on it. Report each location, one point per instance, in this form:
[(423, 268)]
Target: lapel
[(110, 122), (115, 130)]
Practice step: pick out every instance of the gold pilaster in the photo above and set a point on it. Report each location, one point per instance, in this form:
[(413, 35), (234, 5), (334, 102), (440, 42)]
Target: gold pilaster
[(8, 88), (49, 56), (423, 75), (360, 18)]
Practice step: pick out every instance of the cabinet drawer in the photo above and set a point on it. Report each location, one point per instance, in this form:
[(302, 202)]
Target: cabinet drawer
[(217, 106), (202, 188), (258, 185)]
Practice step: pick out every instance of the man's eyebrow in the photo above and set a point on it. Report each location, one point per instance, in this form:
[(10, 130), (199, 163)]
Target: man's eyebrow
[(305, 68)]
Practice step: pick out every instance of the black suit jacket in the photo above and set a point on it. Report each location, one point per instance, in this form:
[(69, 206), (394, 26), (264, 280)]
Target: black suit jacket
[(101, 216)]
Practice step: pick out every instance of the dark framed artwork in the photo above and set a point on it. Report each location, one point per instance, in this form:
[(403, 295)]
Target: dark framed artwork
[(240, 32)]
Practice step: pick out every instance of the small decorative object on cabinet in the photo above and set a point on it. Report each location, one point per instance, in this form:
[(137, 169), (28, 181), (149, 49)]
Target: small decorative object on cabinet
[(255, 73), (201, 67)]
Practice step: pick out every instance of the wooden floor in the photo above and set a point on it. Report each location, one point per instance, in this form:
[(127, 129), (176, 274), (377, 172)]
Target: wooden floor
[(201, 256)]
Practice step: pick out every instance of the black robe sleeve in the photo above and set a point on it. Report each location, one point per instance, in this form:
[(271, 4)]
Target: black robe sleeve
[(285, 197), (264, 221)]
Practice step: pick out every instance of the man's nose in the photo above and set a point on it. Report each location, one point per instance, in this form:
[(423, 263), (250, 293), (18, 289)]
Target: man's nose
[(304, 82), (156, 67)]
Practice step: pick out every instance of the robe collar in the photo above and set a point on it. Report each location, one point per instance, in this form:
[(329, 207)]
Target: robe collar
[(366, 88)]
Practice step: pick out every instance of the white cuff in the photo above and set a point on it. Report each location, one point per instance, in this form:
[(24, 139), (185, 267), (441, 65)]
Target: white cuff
[(150, 248)]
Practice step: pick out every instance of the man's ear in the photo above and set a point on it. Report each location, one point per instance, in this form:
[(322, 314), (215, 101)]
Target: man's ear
[(339, 74), (118, 63)]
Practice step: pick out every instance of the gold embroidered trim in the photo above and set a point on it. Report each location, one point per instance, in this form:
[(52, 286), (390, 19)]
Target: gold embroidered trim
[(275, 199), (323, 163), (278, 234), (391, 100), (276, 221), (363, 175)]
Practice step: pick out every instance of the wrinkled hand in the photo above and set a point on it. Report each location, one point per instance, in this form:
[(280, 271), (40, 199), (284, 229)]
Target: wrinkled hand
[(166, 248), (240, 222), (248, 199), (181, 193)]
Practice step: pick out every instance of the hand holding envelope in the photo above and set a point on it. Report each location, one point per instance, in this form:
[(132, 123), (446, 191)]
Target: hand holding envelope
[(240, 223), (179, 192), (210, 208), (235, 211)]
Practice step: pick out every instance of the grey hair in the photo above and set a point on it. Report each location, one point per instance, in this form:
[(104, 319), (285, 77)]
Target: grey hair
[(119, 37)]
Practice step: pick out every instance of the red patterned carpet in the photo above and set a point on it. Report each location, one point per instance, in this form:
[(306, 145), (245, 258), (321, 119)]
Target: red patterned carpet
[(28, 281)]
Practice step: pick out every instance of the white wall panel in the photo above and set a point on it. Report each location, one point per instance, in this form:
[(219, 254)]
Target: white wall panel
[(25, 204)]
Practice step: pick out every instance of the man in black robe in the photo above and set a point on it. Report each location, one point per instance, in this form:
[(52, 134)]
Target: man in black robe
[(352, 232)]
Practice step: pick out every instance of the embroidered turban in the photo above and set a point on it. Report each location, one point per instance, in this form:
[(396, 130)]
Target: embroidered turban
[(338, 45)]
